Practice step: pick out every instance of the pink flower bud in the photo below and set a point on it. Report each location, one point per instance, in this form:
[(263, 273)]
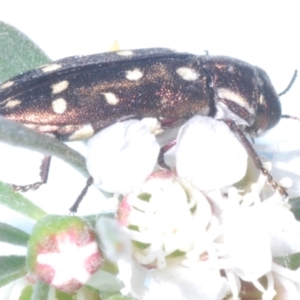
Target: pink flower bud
[(63, 252)]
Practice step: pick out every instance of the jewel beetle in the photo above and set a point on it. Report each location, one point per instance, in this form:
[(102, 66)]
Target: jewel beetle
[(75, 97)]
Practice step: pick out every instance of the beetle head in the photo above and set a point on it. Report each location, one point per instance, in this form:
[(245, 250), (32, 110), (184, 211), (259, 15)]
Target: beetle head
[(268, 111), (244, 94)]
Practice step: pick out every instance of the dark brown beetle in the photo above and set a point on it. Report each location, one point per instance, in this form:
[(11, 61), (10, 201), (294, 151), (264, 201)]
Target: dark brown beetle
[(75, 97)]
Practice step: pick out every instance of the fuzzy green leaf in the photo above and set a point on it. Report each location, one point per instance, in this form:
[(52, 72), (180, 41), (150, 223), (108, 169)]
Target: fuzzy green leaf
[(12, 267), (16, 134), (40, 291), (18, 203), (12, 235), (17, 53)]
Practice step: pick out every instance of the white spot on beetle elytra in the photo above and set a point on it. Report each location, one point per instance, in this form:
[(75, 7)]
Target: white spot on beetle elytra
[(59, 105), (84, 132), (234, 97), (6, 85), (13, 103), (50, 68), (125, 53), (111, 98), (134, 75), (187, 73), (59, 87)]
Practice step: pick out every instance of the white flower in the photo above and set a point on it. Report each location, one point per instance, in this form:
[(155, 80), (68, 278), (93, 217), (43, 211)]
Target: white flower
[(122, 156), (253, 235), (238, 238), (167, 217), (190, 225)]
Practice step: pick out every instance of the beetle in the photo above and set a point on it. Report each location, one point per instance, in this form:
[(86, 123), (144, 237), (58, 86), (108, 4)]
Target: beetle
[(75, 97)]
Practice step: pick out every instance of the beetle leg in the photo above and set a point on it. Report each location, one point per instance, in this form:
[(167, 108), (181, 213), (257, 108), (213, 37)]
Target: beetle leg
[(233, 127), (74, 207), (44, 171), (160, 160)]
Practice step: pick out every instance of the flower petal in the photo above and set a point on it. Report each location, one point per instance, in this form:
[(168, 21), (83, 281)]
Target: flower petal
[(121, 156), (248, 243), (209, 155), (180, 283), (285, 235)]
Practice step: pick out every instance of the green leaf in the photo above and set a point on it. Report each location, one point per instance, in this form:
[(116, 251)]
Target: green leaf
[(12, 267), (40, 291), (18, 203), (104, 281), (16, 134), (119, 297), (17, 53), (88, 293), (295, 207), (294, 260), (12, 235), (63, 296), (291, 261), (26, 293)]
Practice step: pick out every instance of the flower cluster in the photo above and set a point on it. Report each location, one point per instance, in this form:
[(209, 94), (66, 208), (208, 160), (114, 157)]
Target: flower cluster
[(207, 229)]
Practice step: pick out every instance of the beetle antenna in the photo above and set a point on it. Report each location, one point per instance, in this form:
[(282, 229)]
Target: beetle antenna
[(290, 84), (290, 117)]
